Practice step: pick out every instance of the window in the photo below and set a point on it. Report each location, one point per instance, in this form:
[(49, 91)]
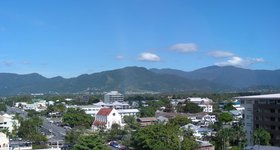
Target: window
[(272, 110), (272, 127), (249, 102), (114, 114), (272, 102), (272, 118)]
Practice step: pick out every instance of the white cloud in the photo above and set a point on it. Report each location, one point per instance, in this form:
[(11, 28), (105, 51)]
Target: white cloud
[(240, 62), (220, 54), (148, 57), (7, 63), (184, 47), (257, 60), (25, 62), (119, 57)]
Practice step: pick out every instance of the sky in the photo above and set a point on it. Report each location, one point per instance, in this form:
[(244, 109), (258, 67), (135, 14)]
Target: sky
[(72, 37)]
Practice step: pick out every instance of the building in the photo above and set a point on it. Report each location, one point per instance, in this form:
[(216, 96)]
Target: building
[(113, 96), (122, 108), (37, 105), (198, 132), (204, 145), (106, 117), (4, 142), (262, 111), (146, 121), (204, 103), (89, 109), (7, 122)]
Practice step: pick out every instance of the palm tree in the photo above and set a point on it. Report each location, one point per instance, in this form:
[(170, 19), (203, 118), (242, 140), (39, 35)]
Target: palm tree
[(261, 137)]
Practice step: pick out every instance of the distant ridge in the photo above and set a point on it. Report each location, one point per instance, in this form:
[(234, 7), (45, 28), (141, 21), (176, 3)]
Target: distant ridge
[(139, 79), (229, 75)]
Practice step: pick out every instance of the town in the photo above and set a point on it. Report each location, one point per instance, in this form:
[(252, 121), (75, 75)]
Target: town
[(116, 121), (139, 75)]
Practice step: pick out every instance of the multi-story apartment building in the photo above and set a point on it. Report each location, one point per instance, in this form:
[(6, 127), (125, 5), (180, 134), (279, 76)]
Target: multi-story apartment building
[(113, 96), (262, 111), (8, 122)]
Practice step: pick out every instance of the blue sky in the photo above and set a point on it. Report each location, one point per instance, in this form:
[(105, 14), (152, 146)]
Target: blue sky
[(69, 38)]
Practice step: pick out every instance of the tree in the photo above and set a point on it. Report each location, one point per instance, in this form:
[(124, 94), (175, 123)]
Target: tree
[(77, 117), (189, 143), (222, 138), (229, 106), (58, 108), (225, 117), (261, 136), (115, 133), (89, 142), (179, 120), (158, 136), (147, 111), (191, 108), (3, 107), (131, 122), (29, 130), (72, 136)]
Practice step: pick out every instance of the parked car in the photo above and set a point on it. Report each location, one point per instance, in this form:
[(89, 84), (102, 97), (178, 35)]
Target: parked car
[(114, 144)]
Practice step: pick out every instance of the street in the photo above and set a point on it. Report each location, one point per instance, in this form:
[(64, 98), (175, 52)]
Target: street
[(57, 132)]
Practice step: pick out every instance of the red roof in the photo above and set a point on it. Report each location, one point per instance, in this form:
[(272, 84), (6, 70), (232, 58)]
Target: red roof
[(104, 111)]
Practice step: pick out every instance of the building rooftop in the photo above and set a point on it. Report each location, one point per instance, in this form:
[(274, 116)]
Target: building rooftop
[(113, 93), (266, 96), (147, 119), (104, 111)]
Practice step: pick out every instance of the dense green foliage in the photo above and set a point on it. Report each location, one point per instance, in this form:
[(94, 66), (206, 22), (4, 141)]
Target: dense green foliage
[(159, 136), (261, 137), (72, 136), (3, 107), (229, 136), (90, 142), (153, 105), (131, 122), (229, 106), (29, 130), (225, 117), (189, 107), (179, 121), (77, 117)]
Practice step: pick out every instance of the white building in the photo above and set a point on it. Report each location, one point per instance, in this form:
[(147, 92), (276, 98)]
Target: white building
[(4, 142), (106, 117), (7, 122), (209, 119), (113, 96), (39, 106), (122, 108), (198, 132), (204, 103)]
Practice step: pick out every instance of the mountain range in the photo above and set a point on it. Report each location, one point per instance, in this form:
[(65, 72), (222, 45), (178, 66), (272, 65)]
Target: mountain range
[(139, 79)]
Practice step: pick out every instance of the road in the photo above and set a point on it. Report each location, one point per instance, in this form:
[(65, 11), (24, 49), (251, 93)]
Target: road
[(57, 131)]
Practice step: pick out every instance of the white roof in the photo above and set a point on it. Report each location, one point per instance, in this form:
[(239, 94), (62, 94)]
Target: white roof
[(99, 104), (113, 93), (266, 96), (127, 110), (119, 103)]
